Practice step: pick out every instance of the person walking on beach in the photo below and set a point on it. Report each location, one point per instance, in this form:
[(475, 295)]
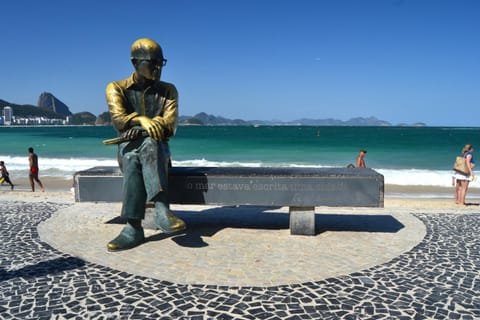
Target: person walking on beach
[(461, 180), (33, 174), (144, 112), (361, 159), (5, 175)]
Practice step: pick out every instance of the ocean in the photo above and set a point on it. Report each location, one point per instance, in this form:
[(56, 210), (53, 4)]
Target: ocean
[(406, 156)]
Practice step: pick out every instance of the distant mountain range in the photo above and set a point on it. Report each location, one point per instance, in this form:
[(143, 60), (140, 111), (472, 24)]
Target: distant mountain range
[(28, 110), (207, 119), (51, 107)]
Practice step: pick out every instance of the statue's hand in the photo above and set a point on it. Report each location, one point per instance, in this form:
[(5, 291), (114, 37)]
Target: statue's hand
[(153, 128), (132, 133)]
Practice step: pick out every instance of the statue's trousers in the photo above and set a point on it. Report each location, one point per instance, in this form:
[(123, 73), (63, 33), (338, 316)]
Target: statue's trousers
[(144, 163)]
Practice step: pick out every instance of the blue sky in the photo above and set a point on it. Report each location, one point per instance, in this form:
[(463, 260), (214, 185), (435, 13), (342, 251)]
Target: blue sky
[(401, 61)]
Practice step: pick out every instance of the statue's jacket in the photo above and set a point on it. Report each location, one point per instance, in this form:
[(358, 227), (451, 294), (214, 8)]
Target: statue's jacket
[(126, 100)]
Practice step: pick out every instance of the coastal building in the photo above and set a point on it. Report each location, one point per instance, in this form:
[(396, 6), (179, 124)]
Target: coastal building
[(38, 121), (7, 115)]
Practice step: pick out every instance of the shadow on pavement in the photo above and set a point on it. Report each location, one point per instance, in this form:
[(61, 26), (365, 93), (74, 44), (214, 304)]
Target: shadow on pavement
[(208, 222), (43, 268)]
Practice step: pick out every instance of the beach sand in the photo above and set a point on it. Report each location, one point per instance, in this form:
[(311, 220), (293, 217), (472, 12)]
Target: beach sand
[(50, 184)]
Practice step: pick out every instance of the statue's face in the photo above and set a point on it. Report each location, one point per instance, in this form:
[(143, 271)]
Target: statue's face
[(149, 69), (147, 57)]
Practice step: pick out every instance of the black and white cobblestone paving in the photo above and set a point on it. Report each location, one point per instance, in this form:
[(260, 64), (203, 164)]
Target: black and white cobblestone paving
[(438, 279)]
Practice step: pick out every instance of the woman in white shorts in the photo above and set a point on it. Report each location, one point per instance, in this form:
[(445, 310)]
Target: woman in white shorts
[(460, 180)]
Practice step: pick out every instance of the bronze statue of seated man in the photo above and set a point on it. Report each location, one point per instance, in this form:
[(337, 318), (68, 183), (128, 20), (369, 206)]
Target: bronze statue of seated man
[(144, 112)]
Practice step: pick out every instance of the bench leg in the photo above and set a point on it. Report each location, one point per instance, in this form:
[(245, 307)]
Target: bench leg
[(302, 221)]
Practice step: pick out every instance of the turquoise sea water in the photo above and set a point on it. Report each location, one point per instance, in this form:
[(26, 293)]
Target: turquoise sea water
[(404, 155)]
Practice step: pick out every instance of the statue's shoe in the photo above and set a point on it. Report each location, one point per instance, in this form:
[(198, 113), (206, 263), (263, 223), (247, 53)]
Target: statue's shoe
[(128, 238), (168, 222)]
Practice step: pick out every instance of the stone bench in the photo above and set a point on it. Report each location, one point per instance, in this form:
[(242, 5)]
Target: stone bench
[(301, 189)]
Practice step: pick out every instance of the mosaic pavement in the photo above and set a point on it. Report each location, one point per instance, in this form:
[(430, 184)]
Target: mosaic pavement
[(438, 279), (237, 246)]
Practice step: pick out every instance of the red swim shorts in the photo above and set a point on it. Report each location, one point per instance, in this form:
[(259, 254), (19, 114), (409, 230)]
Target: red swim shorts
[(33, 170)]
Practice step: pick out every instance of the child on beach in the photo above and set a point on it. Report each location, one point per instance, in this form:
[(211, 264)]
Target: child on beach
[(5, 175)]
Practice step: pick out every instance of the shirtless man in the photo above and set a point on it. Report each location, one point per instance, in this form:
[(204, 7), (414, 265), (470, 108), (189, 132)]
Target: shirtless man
[(33, 175), (361, 160)]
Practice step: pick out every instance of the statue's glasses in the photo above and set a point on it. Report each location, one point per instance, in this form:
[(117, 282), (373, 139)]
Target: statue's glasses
[(153, 62)]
